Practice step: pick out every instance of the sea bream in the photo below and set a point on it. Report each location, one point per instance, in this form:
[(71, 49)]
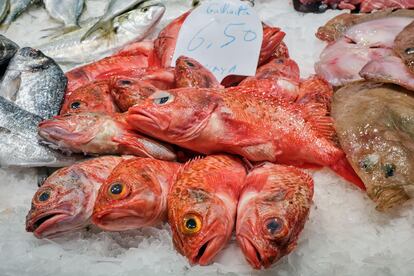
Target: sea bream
[(135, 194), (34, 82), (19, 140), (272, 211), (237, 121), (66, 12), (202, 206), (100, 133), (7, 50), (375, 127), (65, 201), (132, 26)]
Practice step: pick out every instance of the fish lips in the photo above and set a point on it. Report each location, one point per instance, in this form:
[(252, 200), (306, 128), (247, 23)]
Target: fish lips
[(141, 118), (208, 250), (118, 219), (43, 222), (254, 255), (55, 132)]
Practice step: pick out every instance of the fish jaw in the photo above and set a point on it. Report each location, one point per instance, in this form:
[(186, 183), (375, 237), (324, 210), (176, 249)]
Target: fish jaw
[(255, 255), (42, 225), (120, 219), (208, 250)]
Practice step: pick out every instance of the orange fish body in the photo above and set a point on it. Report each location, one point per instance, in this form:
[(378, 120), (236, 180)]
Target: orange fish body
[(99, 133), (316, 90), (65, 201), (272, 211), (202, 206), (93, 97), (135, 194), (190, 73)]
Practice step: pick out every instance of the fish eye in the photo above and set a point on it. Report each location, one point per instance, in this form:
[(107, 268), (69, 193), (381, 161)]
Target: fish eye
[(117, 190), (162, 97), (191, 224), (409, 51), (44, 196), (389, 170), (145, 9), (189, 63), (275, 227), (75, 105), (124, 82)]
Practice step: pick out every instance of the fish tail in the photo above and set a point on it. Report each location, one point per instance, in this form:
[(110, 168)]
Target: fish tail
[(58, 31), (105, 26), (345, 170)]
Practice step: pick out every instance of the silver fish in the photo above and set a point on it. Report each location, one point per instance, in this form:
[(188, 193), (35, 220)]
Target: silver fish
[(19, 141), (4, 9), (67, 12), (34, 82), (7, 49), (115, 8), (17, 7), (129, 27)]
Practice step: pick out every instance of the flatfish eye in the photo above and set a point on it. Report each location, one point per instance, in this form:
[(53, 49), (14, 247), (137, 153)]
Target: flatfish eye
[(389, 170), (409, 51)]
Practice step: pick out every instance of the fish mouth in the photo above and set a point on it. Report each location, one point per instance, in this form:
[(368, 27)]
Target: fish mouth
[(40, 224), (119, 219), (55, 132), (208, 250), (142, 117), (252, 253)]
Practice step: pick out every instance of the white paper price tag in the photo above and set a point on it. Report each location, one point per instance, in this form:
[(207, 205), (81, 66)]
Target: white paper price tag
[(224, 36)]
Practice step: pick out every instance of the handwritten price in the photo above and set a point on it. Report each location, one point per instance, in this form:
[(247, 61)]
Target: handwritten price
[(232, 32)]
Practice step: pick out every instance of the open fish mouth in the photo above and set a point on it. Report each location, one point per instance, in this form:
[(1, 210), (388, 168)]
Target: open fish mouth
[(56, 132), (251, 252), (119, 219), (40, 224), (208, 250)]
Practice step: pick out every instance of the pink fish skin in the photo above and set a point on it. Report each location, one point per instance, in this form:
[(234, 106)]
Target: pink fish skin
[(100, 133), (65, 201), (135, 194), (272, 211), (202, 206), (236, 120)]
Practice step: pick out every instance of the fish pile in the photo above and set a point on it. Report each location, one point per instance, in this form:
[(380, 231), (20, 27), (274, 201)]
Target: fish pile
[(363, 6), (206, 157), (371, 56)]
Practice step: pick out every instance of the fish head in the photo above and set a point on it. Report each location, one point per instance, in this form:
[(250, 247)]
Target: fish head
[(133, 196), (67, 131), (30, 59), (129, 91), (270, 221), (190, 73), (93, 97), (63, 203), (176, 115), (145, 16)]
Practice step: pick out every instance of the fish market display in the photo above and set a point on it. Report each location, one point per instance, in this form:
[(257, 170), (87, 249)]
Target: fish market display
[(105, 22), (132, 26), (375, 126), (67, 12), (19, 141), (239, 122), (272, 211), (16, 8), (65, 200), (135, 194), (34, 82), (202, 206), (190, 73), (93, 97), (7, 50), (100, 133)]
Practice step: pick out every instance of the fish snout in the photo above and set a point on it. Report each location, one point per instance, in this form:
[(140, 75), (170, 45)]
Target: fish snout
[(254, 254)]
